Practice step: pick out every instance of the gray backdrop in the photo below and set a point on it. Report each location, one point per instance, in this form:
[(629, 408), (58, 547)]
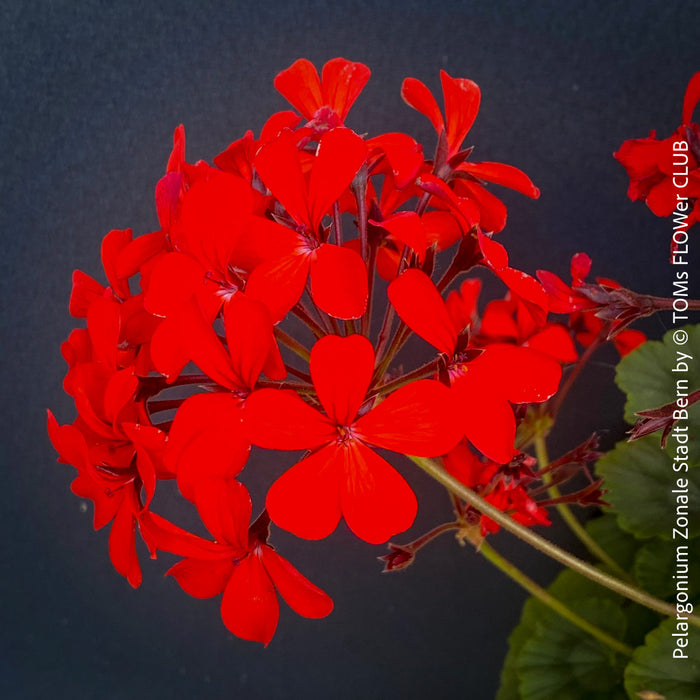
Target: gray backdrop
[(91, 93)]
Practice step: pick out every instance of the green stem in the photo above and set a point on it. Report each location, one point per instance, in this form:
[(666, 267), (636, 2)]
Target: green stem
[(427, 370), (293, 344), (550, 601), (437, 472), (570, 519)]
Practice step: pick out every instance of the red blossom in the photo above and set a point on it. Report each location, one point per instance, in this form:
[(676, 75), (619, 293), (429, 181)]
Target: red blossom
[(336, 91), (239, 563), (651, 164), (338, 276), (485, 386), (343, 475)]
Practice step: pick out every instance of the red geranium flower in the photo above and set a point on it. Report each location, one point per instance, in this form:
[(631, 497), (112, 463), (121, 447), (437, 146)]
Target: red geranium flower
[(338, 275), (484, 387), (462, 99), (342, 475), (649, 162), (239, 563), (327, 100)]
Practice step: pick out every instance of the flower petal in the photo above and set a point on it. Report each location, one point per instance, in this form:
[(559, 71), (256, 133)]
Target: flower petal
[(249, 337), (420, 306), (376, 501), (462, 305), (339, 281), (341, 83), (249, 606), (554, 340), (341, 153), (341, 370), (279, 168), (84, 291), (417, 95), (202, 578), (462, 99), (122, 545), (279, 283), (281, 420), (301, 86), (207, 439), (174, 280), (404, 154), (112, 245), (225, 508), (297, 591), (214, 214), (418, 419), (305, 500), (167, 537), (519, 374), (487, 418), (502, 174), (201, 344), (407, 228), (104, 323), (492, 211)]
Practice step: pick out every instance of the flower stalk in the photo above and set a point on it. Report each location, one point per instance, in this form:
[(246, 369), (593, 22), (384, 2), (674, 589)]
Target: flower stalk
[(436, 471)]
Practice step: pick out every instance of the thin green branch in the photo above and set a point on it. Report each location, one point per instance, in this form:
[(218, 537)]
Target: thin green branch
[(570, 519), (437, 472), (550, 601)]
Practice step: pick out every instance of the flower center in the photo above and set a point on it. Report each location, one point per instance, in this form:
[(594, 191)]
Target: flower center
[(345, 434)]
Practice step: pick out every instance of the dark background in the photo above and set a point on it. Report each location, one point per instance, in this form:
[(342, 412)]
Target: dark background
[(90, 95)]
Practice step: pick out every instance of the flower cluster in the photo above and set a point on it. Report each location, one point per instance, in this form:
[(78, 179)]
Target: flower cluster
[(269, 310)]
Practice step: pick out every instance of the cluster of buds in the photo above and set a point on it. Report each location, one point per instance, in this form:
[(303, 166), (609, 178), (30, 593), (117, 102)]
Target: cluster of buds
[(269, 311)]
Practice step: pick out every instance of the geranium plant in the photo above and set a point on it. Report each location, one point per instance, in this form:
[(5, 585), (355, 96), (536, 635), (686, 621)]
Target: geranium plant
[(270, 311)]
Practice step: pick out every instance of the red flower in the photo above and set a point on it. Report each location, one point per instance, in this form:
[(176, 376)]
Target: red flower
[(342, 475), (462, 99), (338, 275), (239, 563), (651, 166), (583, 318), (208, 438), (501, 485), (238, 158), (113, 469), (484, 387), (342, 81), (507, 321)]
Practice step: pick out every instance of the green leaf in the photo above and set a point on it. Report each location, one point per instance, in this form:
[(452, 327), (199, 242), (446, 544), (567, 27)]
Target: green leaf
[(620, 545), (653, 667), (646, 374), (655, 565), (570, 588), (510, 683), (561, 661), (640, 479)]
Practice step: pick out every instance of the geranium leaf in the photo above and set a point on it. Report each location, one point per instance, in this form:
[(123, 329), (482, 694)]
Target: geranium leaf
[(654, 669), (648, 379), (562, 661), (656, 560), (620, 545), (573, 590), (640, 480)]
